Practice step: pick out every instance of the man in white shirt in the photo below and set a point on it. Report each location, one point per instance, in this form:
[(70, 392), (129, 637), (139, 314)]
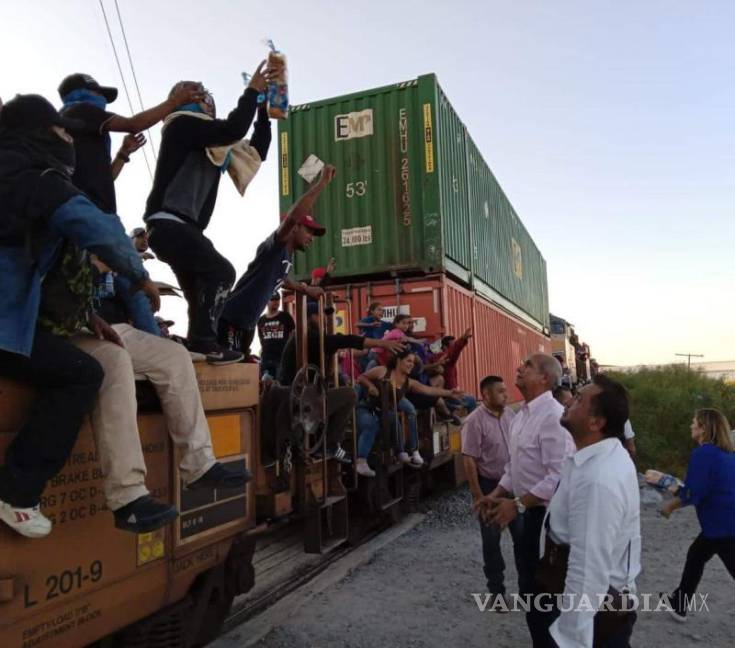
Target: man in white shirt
[(538, 448), (596, 512)]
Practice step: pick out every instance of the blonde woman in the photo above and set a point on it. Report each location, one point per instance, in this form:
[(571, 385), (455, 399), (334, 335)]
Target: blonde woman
[(710, 487)]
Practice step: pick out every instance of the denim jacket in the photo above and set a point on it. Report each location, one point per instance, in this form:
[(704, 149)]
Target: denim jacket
[(21, 275)]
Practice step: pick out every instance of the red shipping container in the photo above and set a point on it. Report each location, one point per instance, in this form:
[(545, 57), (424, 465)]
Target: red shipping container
[(441, 307)]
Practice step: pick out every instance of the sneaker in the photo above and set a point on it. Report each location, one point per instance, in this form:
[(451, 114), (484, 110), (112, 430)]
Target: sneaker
[(220, 477), (363, 469), (144, 515), (672, 609), (340, 454), (404, 458), (214, 353), (29, 522), (197, 357), (417, 459), (223, 357)]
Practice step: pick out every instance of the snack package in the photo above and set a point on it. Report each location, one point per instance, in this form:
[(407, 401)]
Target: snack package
[(278, 89)]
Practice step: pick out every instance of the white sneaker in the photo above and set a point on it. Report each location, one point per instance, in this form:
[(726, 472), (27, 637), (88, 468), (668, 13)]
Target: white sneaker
[(417, 459), (404, 458), (29, 522), (364, 470)]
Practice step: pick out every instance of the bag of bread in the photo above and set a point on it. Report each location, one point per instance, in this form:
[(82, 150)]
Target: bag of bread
[(278, 88)]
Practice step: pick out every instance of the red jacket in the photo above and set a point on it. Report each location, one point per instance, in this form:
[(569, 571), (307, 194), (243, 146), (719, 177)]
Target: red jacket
[(452, 354)]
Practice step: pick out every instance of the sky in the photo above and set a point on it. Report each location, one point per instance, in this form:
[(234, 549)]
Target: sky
[(608, 124)]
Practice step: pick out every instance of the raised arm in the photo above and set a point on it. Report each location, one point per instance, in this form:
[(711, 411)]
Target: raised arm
[(144, 120), (305, 204)]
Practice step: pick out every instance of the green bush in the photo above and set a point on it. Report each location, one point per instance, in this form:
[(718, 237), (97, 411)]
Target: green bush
[(662, 403)]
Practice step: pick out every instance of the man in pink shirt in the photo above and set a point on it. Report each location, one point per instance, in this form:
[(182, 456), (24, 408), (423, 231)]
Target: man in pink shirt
[(538, 447), (486, 451)]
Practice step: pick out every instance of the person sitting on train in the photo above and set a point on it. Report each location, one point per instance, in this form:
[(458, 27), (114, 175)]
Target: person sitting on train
[(39, 208), (396, 376), (268, 271), (95, 172), (451, 349), (196, 149), (125, 352), (340, 400), (373, 325)]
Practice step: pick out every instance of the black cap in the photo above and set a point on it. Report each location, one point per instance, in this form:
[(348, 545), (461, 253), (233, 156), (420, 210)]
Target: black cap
[(81, 81), (275, 296), (34, 111)]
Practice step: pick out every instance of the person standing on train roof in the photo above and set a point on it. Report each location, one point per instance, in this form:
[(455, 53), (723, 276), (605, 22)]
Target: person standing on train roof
[(268, 271), (538, 447), (95, 172), (196, 149), (39, 209), (485, 452)]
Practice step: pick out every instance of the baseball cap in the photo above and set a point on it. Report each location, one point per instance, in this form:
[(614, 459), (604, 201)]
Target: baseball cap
[(137, 231), (274, 296), (160, 320), (307, 220), (319, 273), (81, 81), (34, 111)]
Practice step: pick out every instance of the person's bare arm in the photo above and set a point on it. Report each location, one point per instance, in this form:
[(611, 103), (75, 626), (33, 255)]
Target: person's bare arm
[(394, 346), (420, 388), (470, 469), (305, 204), (144, 120), (315, 292), (131, 143)]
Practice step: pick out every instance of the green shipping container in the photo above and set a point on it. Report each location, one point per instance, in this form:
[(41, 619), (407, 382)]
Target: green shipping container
[(412, 195)]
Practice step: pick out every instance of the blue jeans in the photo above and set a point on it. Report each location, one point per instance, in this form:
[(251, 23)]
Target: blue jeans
[(493, 563), (368, 427), (407, 407), (137, 306)]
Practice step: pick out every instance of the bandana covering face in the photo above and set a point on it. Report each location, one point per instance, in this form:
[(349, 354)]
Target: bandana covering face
[(87, 96)]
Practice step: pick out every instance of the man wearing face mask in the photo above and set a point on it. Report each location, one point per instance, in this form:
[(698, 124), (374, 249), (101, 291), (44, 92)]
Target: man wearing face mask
[(196, 149), (95, 172), (39, 209)]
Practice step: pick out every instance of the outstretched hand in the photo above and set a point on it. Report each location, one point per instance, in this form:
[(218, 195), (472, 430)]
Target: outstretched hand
[(132, 142), (262, 77), (327, 175)]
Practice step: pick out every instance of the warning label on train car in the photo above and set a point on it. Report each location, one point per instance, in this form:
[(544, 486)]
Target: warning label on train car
[(428, 139), (357, 236)]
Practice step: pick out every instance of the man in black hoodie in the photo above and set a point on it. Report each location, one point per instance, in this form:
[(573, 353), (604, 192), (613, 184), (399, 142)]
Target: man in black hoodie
[(182, 200)]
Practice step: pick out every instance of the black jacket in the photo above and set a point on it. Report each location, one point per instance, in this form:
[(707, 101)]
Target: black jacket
[(183, 165)]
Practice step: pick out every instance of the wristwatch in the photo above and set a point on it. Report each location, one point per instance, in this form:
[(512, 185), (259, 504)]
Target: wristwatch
[(520, 505)]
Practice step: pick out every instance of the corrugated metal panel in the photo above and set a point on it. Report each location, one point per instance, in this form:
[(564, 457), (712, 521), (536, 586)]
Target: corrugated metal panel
[(443, 307), (505, 256), (374, 209), (453, 184)]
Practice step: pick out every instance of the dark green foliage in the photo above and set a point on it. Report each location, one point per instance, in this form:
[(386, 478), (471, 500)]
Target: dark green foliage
[(662, 403)]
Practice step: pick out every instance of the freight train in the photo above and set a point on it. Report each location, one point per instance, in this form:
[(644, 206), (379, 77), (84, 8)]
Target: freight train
[(416, 221)]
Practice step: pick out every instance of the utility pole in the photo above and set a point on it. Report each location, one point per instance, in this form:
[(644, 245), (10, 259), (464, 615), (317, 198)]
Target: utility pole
[(689, 357)]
